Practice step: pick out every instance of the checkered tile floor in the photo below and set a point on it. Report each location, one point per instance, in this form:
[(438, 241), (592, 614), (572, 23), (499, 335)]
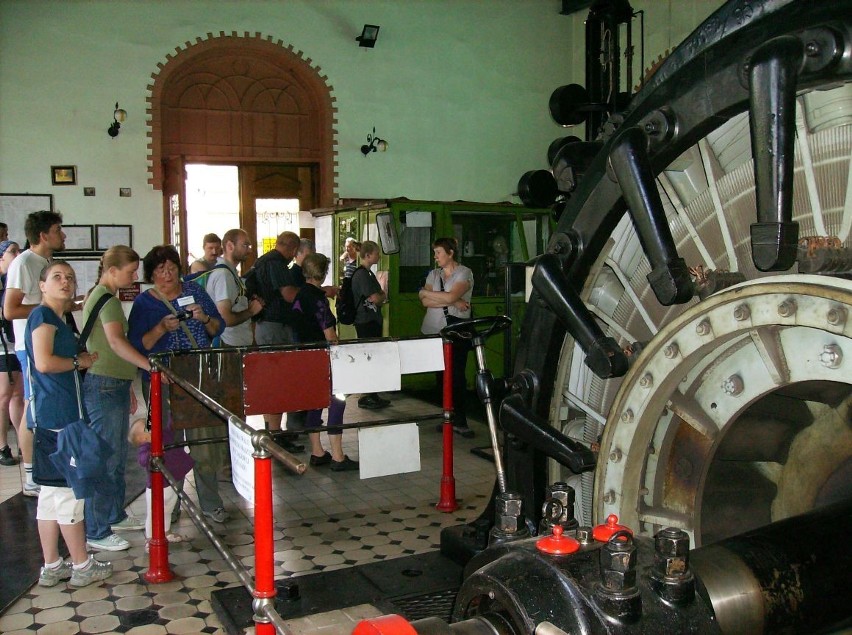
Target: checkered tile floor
[(323, 521)]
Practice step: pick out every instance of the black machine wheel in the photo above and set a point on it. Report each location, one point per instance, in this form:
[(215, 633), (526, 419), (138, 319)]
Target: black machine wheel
[(715, 419)]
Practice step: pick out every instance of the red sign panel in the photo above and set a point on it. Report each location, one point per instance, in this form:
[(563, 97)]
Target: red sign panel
[(286, 381)]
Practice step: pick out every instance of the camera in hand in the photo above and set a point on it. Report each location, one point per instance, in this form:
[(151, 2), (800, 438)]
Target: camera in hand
[(183, 315)]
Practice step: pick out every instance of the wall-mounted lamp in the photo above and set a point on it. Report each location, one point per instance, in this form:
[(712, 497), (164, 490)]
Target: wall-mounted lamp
[(368, 36), (118, 116), (373, 144)]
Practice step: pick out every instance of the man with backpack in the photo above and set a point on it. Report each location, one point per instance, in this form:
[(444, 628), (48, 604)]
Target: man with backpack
[(229, 293), (269, 280), (369, 298)]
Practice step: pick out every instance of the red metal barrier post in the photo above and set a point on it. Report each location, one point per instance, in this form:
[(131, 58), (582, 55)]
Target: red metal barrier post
[(158, 546), (264, 586), (447, 502)]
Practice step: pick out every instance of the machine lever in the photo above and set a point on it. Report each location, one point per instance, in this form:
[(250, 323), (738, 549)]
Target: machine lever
[(517, 419), (476, 332)]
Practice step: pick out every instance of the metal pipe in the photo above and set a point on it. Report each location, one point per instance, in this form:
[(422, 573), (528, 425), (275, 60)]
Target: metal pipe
[(479, 347), (788, 577)]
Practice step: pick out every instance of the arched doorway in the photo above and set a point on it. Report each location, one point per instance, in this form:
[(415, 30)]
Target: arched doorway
[(244, 101)]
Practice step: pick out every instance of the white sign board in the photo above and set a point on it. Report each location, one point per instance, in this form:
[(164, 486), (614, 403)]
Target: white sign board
[(387, 450), (421, 355), (242, 462), (364, 368)]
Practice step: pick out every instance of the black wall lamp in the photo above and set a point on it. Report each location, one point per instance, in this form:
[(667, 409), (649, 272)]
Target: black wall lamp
[(373, 144), (368, 36), (118, 116)]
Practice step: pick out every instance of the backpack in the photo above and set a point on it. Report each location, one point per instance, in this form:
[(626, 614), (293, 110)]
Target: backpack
[(200, 278), (345, 305), (257, 282), (252, 283)]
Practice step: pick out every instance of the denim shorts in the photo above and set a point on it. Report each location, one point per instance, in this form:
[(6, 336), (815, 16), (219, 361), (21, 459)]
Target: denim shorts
[(22, 357)]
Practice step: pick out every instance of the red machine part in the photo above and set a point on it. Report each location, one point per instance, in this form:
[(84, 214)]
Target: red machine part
[(604, 532), (556, 544), (384, 625)]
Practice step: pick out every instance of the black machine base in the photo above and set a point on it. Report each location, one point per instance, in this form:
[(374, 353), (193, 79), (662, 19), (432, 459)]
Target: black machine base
[(415, 587)]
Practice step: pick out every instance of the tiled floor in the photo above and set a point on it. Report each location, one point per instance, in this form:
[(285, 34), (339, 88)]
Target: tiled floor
[(323, 521)]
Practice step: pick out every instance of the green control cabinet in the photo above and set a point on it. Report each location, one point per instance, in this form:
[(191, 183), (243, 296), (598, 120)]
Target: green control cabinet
[(495, 241)]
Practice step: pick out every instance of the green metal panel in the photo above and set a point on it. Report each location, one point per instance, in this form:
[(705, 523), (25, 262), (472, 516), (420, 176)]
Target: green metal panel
[(480, 221)]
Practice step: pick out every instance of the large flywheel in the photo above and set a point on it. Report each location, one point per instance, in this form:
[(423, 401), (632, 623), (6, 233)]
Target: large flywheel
[(693, 315)]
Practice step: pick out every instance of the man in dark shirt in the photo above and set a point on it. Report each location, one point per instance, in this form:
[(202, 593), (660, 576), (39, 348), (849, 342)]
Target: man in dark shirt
[(369, 299), (274, 326)]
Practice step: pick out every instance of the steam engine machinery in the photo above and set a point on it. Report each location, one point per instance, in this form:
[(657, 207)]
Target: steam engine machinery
[(677, 438)]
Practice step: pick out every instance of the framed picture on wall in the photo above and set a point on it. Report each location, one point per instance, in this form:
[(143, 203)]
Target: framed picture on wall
[(63, 174), (79, 237), (107, 236)]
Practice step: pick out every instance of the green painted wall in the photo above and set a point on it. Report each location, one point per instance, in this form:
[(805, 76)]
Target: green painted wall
[(459, 88)]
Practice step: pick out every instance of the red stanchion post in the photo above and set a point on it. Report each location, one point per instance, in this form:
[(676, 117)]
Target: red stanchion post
[(264, 547), (447, 502), (158, 546)]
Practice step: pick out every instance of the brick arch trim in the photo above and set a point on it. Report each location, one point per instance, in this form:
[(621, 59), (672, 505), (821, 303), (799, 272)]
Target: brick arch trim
[(285, 114)]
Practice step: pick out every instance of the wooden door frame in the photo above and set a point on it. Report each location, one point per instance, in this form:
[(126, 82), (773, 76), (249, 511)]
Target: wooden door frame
[(247, 215)]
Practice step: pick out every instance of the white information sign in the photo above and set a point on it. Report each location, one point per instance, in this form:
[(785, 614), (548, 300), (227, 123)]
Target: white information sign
[(360, 368), (387, 450), (421, 356), (242, 462)]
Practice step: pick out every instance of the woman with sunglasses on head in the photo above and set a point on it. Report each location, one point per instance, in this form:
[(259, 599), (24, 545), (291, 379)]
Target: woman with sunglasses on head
[(51, 348), (180, 315)]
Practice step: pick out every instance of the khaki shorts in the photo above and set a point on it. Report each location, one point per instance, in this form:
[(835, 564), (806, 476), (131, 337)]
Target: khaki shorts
[(59, 504)]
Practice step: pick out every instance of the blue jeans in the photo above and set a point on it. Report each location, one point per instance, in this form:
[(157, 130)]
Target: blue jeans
[(107, 402)]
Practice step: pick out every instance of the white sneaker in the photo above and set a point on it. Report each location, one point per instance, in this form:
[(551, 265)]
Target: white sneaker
[(131, 523), (51, 577), (32, 489), (95, 572), (112, 542)]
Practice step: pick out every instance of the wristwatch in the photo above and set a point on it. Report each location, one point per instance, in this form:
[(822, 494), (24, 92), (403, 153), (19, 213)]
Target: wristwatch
[(76, 363)]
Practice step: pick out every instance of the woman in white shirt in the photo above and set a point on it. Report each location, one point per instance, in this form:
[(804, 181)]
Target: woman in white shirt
[(446, 296)]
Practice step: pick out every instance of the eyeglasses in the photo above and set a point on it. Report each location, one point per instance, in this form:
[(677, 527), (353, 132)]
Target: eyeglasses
[(168, 268)]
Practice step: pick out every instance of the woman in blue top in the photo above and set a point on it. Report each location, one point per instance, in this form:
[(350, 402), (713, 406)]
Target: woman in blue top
[(155, 326), (52, 351), (177, 315)]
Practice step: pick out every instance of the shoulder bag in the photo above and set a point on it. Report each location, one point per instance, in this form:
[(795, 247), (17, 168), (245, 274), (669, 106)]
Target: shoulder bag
[(81, 455)]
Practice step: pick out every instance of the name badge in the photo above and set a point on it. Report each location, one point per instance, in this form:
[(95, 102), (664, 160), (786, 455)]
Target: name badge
[(185, 301)]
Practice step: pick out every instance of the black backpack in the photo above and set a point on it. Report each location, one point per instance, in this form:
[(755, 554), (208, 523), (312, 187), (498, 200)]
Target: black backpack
[(252, 283), (257, 283), (345, 305)]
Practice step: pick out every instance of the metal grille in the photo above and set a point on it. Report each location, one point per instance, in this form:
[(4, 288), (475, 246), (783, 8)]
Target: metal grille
[(437, 604)]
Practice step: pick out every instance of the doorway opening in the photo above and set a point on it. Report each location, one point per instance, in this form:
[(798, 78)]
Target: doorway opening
[(222, 197)]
